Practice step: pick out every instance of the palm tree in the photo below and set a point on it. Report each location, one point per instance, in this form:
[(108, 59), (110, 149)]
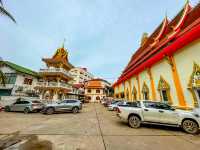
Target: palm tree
[(2, 78), (4, 12)]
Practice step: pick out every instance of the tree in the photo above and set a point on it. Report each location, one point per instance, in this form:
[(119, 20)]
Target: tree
[(4, 12)]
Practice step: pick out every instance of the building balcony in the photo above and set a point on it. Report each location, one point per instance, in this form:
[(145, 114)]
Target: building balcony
[(56, 71), (54, 85)]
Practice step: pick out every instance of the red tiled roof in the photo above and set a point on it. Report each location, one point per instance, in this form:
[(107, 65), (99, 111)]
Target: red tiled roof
[(147, 51)]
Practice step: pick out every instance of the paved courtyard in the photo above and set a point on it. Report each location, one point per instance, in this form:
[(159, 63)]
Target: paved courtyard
[(95, 128)]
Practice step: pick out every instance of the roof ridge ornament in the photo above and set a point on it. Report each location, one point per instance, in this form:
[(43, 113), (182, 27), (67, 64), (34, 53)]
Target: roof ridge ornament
[(164, 25), (176, 28), (186, 8), (63, 45)]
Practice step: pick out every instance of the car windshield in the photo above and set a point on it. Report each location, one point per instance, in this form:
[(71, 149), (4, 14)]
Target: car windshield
[(120, 103), (113, 102), (134, 104), (36, 102)]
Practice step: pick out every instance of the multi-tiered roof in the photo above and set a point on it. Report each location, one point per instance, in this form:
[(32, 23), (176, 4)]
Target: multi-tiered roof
[(169, 37)]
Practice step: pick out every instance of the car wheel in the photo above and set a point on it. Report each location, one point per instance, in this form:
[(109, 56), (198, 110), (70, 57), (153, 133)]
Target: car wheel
[(190, 126), (75, 110), (26, 110), (7, 109), (134, 121), (49, 111)]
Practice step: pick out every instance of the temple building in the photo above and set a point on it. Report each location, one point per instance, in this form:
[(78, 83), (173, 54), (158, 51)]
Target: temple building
[(54, 82), (96, 90), (166, 67)]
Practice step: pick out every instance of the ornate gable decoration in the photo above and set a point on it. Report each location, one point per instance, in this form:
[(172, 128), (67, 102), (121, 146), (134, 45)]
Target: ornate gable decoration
[(194, 81), (184, 15), (163, 85), (161, 32), (61, 53), (145, 88), (187, 8)]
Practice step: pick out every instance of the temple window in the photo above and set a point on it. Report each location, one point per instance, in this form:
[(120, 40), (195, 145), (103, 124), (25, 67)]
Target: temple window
[(194, 85), (134, 92), (164, 95), (89, 91), (164, 90), (127, 94), (145, 95), (145, 91), (122, 95)]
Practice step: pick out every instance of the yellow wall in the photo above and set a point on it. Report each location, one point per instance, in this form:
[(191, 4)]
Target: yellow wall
[(121, 88), (164, 69), (185, 59)]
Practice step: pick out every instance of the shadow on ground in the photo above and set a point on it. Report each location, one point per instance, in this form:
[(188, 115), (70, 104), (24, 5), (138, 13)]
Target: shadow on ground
[(24, 142)]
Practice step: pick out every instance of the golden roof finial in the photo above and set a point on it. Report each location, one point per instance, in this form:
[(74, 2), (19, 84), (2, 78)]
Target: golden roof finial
[(63, 45)]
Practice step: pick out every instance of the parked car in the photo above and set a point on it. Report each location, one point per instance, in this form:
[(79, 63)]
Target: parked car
[(106, 103), (25, 105), (113, 106), (66, 105), (109, 102), (149, 112)]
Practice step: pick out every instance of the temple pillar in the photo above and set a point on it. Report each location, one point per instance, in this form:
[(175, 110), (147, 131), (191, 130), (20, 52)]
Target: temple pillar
[(153, 89), (176, 79), (130, 90), (138, 82)]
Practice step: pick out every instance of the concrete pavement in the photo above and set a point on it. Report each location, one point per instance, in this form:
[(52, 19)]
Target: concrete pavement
[(95, 128)]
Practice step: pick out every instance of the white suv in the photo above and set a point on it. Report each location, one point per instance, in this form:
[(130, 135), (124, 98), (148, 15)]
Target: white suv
[(149, 112)]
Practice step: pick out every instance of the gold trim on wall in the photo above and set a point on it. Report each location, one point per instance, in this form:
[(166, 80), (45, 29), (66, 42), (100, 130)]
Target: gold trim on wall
[(164, 85), (194, 83)]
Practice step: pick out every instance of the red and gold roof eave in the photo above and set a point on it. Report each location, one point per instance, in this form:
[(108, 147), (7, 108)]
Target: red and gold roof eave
[(193, 28), (160, 33), (55, 75), (58, 61)]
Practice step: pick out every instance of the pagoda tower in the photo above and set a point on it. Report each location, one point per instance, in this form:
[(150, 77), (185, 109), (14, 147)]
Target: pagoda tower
[(55, 78)]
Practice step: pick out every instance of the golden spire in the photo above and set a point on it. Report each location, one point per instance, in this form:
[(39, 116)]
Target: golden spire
[(63, 45)]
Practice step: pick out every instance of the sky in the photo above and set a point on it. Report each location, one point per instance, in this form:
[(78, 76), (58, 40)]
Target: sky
[(101, 35)]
